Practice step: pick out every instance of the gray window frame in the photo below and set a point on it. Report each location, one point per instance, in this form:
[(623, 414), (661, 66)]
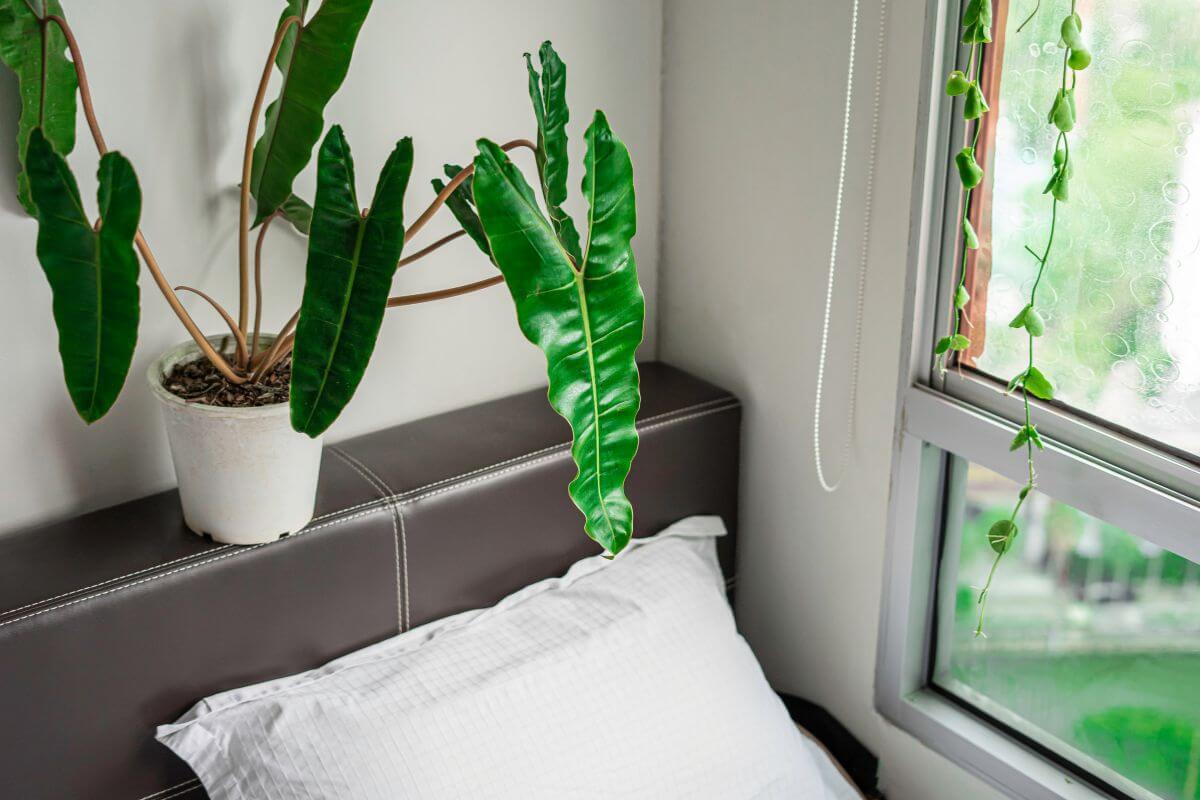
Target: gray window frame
[(945, 421)]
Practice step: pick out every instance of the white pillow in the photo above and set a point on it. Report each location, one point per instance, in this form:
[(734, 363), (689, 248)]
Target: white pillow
[(623, 679)]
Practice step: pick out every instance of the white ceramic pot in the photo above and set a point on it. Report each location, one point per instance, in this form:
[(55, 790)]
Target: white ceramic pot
[(245, 477)]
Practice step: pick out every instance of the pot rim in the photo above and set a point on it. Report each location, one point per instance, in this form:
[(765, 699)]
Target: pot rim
[(188, 350)]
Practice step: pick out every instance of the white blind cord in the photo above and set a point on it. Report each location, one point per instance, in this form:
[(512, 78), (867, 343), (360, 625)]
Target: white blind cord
[(844, 457)]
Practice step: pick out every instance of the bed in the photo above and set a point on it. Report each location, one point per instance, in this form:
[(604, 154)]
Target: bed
[(119, 620)]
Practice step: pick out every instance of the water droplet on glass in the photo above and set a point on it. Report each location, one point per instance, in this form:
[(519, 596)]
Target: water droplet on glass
[(1176, 193)]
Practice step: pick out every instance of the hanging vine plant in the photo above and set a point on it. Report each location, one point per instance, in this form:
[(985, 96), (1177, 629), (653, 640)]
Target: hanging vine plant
[(1031, 381)]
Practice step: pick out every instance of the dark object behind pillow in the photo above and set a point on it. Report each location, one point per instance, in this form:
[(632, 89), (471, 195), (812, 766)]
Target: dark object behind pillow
[(120, 619), (860, 764)]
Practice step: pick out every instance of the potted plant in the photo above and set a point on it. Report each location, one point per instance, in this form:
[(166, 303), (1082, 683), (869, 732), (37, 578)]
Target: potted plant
[(245, 410)]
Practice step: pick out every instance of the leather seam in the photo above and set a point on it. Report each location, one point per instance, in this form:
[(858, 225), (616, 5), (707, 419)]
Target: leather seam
[(644, 424), (117, 579), (422, 494), (163, 794), (394, 501), (398, 532), (187, 567)]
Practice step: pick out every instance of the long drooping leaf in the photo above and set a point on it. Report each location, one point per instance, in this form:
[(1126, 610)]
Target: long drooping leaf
[(92, 274), (588, 322), (549, 95), (319, 57), (462, 205), (45, 79), (351, 261)]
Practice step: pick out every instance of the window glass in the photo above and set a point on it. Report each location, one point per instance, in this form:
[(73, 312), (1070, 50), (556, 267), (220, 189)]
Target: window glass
[(1093, 638), (1122, 294)]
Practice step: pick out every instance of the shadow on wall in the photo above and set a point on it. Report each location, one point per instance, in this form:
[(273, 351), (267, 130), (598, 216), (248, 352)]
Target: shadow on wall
[(10, 105)]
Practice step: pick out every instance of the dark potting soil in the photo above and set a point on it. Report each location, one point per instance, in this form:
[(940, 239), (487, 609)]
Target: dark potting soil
[(199, 381)]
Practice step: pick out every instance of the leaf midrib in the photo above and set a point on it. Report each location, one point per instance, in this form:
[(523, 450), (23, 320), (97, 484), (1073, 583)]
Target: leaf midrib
[(283, 97), (587, 330), (95, 263), (341, 326)]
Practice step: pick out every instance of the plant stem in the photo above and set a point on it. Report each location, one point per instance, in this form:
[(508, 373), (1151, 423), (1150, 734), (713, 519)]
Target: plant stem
[(975, 68), (237, 334), (164, 286), (457, 181), (1042, 260), (442, 294), (258, 294), (285, 340), (271, 357), (404, 262), (247, 166)]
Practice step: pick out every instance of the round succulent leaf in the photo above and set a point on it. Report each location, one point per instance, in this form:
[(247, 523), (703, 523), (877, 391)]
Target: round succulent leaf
[(1001, 534)]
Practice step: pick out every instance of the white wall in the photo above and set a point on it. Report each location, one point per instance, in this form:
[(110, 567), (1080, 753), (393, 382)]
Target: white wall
[(753, 95), (173, 83)]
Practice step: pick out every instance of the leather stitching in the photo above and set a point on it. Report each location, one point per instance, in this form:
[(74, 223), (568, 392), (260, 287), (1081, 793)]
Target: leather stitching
[(186, 567), (114, 580), (181, 792), (424, 495), (340, 517), (163, 794), (643, 424), (398, 533)]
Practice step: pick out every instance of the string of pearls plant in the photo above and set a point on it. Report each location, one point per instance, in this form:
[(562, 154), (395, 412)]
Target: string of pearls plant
[(976, 32)]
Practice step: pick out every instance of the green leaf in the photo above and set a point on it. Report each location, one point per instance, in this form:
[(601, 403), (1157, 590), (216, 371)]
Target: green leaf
[(1062, 112), (549, 95), (1015, 382), (1079, 59), (588, 322), (1034, 322), (974, 104), (1019, 320), (970, 238), (1060, 180), (1027, 433), (969, 170), (92, 274), (319, 60), (943, 346), (977, 22), (1038, 384), (351, 261), (961, 297), (1071, 30), (1036, 437), (1001, 534), (50, 106), (298, 212), (959, 342), (957, 83), (462, 206)]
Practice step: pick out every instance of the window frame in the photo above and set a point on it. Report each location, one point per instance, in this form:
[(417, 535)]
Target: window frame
[(945, 420)]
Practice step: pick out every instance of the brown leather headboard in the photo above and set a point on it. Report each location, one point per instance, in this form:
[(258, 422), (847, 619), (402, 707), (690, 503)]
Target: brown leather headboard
[(119, 620)]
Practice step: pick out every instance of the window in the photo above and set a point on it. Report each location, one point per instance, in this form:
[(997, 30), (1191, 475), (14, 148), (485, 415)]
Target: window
[(1128, 349), (1088, 681), (1093, 638)]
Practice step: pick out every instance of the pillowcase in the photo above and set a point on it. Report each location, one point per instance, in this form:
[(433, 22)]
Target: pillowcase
[(622, 679)]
